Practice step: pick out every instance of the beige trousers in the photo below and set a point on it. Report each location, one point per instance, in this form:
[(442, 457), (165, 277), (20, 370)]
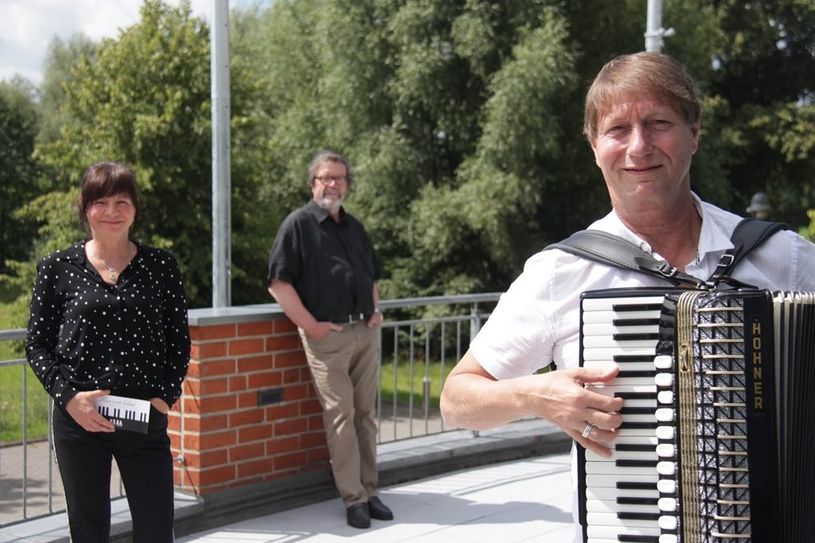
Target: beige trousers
[(344, 369)]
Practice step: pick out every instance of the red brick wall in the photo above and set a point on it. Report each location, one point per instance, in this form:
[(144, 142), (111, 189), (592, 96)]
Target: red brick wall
[(228, 440)]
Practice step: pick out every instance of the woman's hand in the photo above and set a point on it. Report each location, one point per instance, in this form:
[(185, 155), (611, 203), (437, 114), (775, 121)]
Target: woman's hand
[(83, 411), (160, 405)]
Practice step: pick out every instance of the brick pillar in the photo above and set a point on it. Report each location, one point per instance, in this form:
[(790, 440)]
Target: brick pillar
[(248, 412)]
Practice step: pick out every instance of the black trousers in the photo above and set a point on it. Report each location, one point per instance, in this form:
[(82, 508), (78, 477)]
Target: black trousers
[(145, 464)]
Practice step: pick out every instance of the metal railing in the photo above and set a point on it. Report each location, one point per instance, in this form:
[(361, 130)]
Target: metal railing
[(416, 353)]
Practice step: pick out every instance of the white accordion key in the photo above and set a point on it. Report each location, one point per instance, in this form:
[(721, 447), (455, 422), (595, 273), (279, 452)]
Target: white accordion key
[(664, 414), (665, 433), (666, 468), (668, 538), (664, 379), (667, 504), (665, 450), (665, 396), (666, 486), (663, 362), (667, 522)]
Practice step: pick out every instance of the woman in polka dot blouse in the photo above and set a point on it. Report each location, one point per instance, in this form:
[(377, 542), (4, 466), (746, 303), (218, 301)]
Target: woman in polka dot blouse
[(109, 316)]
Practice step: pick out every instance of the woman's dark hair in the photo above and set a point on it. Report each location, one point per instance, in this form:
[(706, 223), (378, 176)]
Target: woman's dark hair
[(102, 180)]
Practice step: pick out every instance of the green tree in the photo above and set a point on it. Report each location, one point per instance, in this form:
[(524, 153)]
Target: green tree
[(60, 59), (144, 98), (763, 76), (462, 118), (19, 123)]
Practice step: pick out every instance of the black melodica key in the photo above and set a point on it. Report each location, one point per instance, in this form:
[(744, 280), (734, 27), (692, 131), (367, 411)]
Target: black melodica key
[(636, 395), (635, 322), (633, 358), (631, 515), (630, 538), (632, 447), (622, 308), (629, 463), (636, 373), (631, 425), (636, 410), (633, 500), (632, 337), (634, 485)]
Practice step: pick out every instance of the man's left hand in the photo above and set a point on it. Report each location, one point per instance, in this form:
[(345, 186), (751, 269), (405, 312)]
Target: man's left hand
[(375, 320)]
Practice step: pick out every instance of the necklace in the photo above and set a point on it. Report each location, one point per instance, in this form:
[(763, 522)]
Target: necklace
[(113, 273)]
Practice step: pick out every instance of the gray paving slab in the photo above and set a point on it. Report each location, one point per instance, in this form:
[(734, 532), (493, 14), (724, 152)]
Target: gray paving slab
[(512, 502)]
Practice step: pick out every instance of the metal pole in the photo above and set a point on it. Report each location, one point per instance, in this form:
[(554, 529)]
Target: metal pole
[(221, 190), (654, 30)]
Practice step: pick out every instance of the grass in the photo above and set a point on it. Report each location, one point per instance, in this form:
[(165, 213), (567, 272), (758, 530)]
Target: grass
[(11, 398), (11, 391), (405, 383)]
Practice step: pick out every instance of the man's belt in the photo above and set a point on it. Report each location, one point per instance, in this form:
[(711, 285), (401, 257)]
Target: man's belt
[(350, 319)]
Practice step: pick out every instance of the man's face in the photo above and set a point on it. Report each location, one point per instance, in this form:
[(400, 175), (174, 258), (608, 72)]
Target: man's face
[(330, 186), (644, 149)]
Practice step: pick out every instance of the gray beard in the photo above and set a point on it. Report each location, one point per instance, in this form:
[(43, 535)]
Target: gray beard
[(331, 205)]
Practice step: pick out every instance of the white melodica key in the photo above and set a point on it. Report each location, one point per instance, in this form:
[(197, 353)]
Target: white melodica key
[(614, 493), (611, 506), (613, 520), (609, 329)]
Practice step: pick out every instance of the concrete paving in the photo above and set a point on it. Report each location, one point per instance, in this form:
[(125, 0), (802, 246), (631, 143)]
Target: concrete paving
[(521, 501), (424, 482)]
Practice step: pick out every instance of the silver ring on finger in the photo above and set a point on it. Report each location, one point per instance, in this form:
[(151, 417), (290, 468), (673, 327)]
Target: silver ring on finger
[(587, 430)]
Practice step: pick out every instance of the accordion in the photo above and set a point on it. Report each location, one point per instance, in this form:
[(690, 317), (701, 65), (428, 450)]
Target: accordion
[(717, 443)]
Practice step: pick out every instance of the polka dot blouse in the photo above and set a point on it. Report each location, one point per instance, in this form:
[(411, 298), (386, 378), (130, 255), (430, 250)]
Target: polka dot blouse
[(131, 338)]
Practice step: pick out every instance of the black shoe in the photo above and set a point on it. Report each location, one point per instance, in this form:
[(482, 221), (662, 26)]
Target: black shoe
[(358, 516), (379, 510)]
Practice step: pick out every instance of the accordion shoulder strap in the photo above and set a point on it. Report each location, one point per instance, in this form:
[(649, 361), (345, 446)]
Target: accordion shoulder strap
[(616, 251), (749, 234)]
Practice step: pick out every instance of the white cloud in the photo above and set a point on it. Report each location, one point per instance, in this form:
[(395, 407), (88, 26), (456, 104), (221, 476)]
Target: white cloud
[(28, 26)]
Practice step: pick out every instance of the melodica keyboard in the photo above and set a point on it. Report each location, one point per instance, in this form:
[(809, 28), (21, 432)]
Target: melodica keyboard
[(620, 498), (717, 443), (125, 413)]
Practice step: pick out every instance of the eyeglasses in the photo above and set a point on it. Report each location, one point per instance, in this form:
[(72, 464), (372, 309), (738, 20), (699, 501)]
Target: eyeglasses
[(328, 179)]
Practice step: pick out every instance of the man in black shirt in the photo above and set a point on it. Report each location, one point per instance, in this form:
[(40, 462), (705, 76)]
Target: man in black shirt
[(323, 272)]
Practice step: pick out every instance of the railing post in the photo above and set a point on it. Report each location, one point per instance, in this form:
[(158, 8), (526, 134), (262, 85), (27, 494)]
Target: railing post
[(475, 326)]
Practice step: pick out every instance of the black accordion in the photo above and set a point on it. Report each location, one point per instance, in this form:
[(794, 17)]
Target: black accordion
[(717, 443)]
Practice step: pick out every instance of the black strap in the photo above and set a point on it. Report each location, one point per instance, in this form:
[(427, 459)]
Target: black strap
[(748, 234), (616, 251)]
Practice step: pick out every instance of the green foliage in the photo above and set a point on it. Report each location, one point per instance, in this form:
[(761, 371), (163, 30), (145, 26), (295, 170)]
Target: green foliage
[(18, 169), (144, 98), (462, 119), (60, 60), (12, 384)]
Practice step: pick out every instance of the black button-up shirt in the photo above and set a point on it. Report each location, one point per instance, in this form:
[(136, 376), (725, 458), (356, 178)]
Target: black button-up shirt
[(131, 338), (331, 265)]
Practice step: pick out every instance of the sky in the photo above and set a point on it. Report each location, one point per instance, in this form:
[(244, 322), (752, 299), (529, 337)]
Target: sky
[(28, 26)]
